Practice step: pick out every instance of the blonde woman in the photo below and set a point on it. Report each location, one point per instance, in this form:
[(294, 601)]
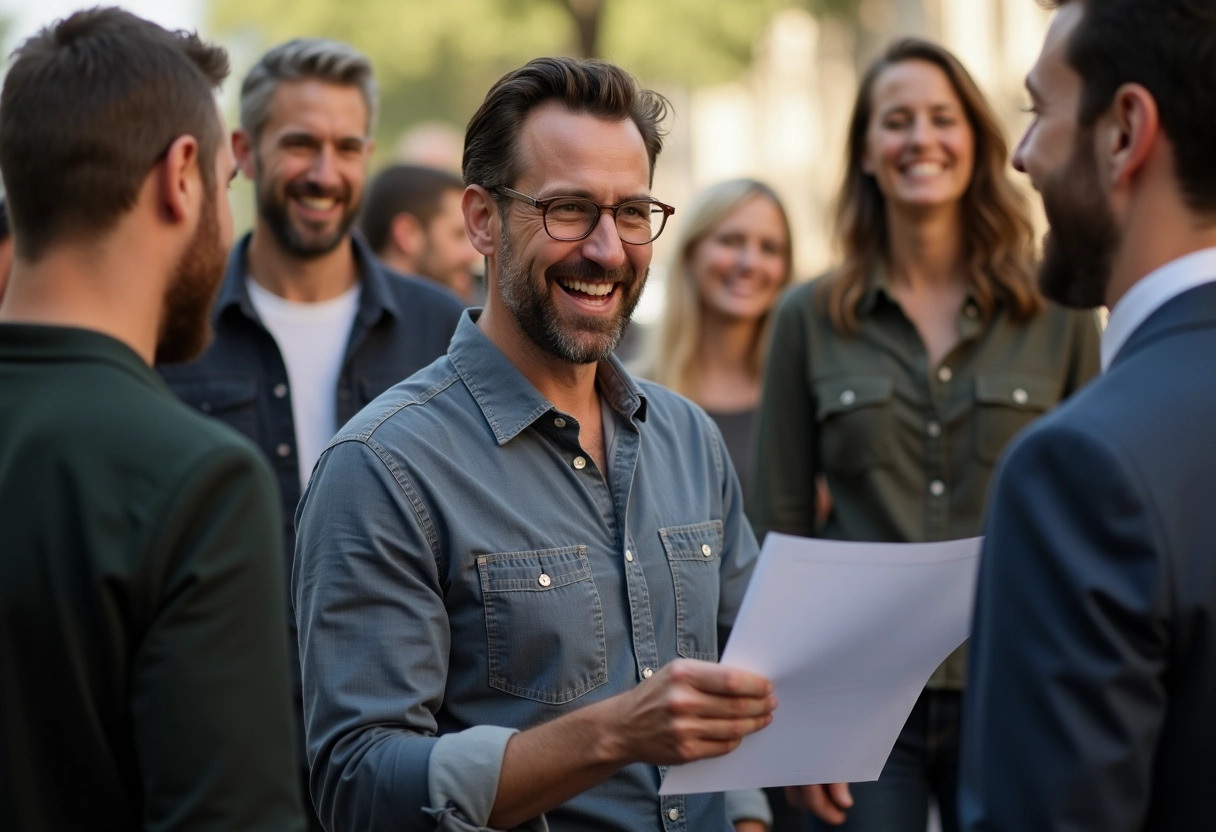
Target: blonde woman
[(732, 259)]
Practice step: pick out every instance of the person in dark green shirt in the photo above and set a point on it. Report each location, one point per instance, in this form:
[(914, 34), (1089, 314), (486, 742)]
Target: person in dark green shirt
[(143, 666), (896, 380)]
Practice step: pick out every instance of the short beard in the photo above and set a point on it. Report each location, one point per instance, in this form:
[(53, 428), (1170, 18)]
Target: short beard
[(273, 210), (1079, 250), (527, 299), (185, 324)]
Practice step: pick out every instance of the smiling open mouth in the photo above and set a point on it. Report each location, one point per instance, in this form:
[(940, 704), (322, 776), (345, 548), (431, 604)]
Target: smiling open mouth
[(588, 290)]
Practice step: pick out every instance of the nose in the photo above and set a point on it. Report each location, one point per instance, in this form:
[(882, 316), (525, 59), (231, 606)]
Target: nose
[(1018, 160), (324, 169), (918, 133), (603, 245)]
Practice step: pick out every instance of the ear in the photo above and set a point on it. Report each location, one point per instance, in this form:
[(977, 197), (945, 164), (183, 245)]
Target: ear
[(406, 233), (181, 184), (243, 151), (1128, 134), (480, 219)]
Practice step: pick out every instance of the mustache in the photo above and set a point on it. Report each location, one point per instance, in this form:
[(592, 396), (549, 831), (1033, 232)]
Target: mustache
[(314, 189), (583, 269)]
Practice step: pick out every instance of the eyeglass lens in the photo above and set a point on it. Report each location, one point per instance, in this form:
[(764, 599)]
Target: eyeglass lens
[(571, 219)]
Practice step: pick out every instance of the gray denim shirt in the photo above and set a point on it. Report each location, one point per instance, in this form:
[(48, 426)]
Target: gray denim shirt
[(463, 570)]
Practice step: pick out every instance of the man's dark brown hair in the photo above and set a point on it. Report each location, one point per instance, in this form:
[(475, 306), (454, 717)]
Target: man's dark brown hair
[(491, 144), (90, 104), (1169, 48), (404, 189)]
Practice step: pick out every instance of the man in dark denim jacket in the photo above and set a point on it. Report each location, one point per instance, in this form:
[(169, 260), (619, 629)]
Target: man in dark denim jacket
[(309, 326)]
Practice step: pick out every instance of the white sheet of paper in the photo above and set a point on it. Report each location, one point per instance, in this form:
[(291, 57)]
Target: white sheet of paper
[(848, 633)]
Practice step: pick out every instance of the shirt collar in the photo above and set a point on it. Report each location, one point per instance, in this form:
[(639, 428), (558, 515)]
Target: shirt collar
[(375, 300), (879, 285), (508, 401), (1150, 293)]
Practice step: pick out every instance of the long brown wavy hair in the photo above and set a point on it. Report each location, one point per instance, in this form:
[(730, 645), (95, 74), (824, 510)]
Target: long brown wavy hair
[(997, 233)]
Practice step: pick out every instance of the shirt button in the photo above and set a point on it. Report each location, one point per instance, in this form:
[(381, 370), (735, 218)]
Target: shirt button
[(706, 550), (280, 390), (674, 814), (544, 580), (647, 673), (559, 422), (848, 397), (937, 488), (934, 429), (629, 556), (1020, 396), (283, 449), (580, 463), (945, 374)]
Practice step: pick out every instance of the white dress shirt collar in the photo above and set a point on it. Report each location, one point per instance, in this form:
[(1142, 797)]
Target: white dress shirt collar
[(1152, 292)]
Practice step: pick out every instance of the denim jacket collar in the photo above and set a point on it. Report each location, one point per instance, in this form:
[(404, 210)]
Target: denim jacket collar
[(508, 401), (375, 300)]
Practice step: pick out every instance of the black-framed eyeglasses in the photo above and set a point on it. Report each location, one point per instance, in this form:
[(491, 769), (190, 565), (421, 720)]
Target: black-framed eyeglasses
[(570, 218)]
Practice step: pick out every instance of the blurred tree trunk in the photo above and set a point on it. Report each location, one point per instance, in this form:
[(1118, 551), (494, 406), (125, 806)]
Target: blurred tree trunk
[(586, 17)]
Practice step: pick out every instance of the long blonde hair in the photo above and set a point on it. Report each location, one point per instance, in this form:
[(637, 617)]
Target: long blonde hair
[(670, 356), (997, 233)]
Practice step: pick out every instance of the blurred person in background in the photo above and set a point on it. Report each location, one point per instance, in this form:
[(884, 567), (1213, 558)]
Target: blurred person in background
[(309, 325), (143, 661), (412, 220), (732, 259), (902, 374)]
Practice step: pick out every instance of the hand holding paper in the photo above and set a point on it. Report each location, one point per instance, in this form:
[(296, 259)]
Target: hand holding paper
[(848, 633)]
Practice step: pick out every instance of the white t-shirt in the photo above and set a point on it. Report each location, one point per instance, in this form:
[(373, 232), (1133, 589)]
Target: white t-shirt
[(312, 340)]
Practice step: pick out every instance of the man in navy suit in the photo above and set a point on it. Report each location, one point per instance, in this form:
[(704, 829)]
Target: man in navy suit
[(1092, 701)]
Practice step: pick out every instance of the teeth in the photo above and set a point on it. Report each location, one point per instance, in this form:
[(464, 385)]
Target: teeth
[(925, 169), (596, 289), (317, 203)]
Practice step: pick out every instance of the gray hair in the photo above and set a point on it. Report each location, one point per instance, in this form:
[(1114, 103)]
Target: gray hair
[(302, 59)]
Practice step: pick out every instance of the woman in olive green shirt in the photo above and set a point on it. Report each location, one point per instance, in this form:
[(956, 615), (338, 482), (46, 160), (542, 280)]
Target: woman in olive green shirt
[(898, 378)]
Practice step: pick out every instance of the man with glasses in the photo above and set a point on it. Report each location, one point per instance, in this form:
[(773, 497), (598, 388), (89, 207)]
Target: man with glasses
[(513, 568)]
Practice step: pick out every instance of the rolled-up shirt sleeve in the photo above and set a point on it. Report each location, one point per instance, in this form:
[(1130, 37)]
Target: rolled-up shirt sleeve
[(374, 644), (463, 779)]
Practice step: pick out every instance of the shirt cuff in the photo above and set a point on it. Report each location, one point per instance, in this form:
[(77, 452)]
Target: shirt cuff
[(748, 804), (462, 779)]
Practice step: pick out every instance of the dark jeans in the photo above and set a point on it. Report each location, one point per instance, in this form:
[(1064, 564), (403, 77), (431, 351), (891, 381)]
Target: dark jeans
[(923, 764)]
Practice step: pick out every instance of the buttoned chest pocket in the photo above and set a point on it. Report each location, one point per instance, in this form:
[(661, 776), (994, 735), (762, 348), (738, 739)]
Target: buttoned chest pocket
[(231, 399), (694, 553), (856, 423), (544, 624), (1005, 404)]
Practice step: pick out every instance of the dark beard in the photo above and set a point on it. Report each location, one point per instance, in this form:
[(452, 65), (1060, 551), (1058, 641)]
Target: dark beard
[(1079, 250), (185, 325), (293, 240), (530, 304)]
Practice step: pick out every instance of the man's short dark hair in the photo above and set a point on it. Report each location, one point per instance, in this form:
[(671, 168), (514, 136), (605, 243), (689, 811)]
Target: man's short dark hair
[(89, 106), (409, 189), (1169, 48), (491, 143)]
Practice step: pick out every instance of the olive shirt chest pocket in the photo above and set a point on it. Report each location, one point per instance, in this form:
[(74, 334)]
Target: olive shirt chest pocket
[(856, 422), (544, 624), (694, 553), (1005, 404)]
